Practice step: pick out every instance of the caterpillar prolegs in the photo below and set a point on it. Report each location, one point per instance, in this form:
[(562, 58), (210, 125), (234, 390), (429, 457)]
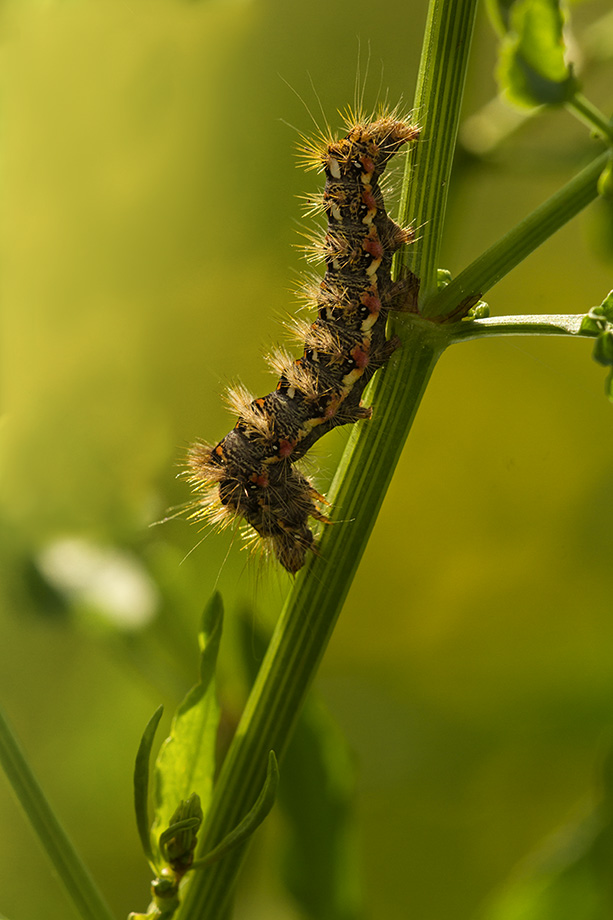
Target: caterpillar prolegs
[(251, 473)]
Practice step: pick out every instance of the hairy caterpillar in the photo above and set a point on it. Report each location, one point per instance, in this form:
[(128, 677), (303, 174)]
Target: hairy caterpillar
[(251, 473)]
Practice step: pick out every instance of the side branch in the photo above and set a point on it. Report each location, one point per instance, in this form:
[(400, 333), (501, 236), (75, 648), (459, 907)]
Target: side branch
[(524, 238), (535, 324)]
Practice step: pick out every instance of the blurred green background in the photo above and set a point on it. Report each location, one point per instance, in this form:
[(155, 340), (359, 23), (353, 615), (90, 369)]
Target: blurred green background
[(149, 224)]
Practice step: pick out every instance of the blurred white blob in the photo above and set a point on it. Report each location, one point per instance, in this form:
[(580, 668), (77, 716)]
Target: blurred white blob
[(109, 580)]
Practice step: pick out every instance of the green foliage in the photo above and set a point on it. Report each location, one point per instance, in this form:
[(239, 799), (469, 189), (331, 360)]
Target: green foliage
[(141, 784), (533, 68), (186, 761)]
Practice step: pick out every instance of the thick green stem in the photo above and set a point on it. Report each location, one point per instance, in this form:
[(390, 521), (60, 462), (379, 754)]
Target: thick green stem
[(52, 837), (523, 239), (440, 88)]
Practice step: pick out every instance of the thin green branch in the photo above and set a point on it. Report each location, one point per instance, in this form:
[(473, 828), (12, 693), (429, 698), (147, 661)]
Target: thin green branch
[(524, 238), (583, 109), (77, 881), (536, 324)]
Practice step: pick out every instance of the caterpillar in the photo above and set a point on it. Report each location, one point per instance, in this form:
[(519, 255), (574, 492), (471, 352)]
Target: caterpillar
[(251, 474)]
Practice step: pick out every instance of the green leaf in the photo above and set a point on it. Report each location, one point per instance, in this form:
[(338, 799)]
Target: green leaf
[(186, 762), (252, 820), (141, 783), (533, 69)]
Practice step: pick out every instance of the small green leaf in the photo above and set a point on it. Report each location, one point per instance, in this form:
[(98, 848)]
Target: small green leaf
[(252, 820), (533, 69), (178, 841), (141, 783), (186, 762)]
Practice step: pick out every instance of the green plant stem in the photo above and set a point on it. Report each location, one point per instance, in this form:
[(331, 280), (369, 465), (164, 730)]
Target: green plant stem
[(524, 238), (537, 324), (76, 879), (357, 493), (583, 109), (440, 88)]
